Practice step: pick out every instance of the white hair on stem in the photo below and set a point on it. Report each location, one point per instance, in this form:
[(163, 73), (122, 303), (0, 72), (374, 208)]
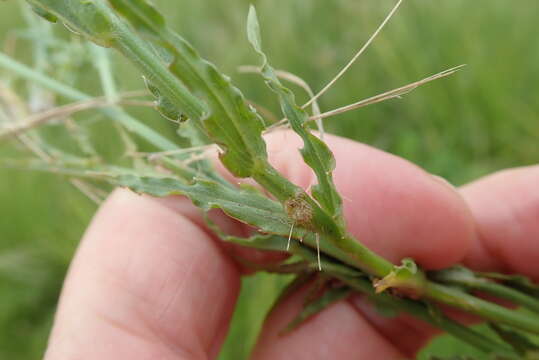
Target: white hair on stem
[(318, 251), (290, 237)]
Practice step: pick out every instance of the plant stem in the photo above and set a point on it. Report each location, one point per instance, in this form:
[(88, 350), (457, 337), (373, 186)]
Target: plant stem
[(369, 261), (488, 286), (507, 293), (103, 65), (482, 308), (30, 74)]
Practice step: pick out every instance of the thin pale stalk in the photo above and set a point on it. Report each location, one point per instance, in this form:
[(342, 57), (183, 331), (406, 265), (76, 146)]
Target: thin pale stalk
[(392, 94), (59, 112), (128, 121), (356, 56), (388, 95)]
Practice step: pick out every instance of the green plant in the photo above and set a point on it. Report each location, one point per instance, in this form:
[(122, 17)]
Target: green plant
[(188, 87)]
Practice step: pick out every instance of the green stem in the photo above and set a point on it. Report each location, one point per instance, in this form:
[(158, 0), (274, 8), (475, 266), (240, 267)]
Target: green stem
[(482, 308), (507, 293), (30, 74), (373, 263), (490, 287), (128, 121), (104, 69)]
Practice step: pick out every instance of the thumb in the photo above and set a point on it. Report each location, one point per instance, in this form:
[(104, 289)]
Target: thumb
[(146, 283)]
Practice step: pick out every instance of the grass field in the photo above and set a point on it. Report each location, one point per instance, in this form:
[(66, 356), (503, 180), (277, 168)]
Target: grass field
[(480, 120)]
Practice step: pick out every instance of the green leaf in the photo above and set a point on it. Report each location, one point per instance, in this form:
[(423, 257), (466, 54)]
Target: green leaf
[(383, 308), (330, 297), (190, 130), (44, 14), (163, 104), (317, 289), (303, 249), (315, 152), (142, 15), (285, 268), (527, 349), (329, 265), (81, 17), (233, 124), (98, 23), (453, 358), (297, 283), (244, 204), (519, 282), (517, 289), (225, 117), (457, 272)]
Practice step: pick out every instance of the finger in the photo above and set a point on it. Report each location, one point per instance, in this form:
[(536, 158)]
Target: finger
[(505, 206), (339, 332), (395, 209), (146, 283)]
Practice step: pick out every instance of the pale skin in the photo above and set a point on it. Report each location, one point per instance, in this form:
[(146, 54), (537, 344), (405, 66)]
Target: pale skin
[(149, 281)]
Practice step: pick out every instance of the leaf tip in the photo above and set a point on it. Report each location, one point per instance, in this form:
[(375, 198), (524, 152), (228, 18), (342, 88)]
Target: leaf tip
[(253, 29)]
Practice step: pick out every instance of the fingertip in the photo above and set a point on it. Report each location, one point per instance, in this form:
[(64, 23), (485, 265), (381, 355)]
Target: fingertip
[(505, 206), (440, 229)]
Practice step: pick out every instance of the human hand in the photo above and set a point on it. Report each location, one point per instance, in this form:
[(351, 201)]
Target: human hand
[(150, 281)]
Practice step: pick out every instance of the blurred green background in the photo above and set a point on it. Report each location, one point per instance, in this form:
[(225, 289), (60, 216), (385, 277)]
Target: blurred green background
[(480, 120)]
